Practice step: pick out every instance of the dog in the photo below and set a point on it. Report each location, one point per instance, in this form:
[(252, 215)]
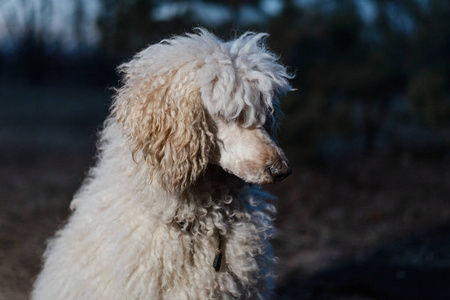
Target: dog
[(173, 208)]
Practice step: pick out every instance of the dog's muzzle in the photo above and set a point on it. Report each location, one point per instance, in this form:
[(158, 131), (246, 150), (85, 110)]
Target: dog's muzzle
[(279, 171)]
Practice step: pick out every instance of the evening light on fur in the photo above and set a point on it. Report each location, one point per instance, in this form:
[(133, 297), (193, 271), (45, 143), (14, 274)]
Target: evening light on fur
[(190, 127)]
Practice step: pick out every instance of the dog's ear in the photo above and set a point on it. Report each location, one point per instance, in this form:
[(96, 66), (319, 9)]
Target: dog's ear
[(168, 127)]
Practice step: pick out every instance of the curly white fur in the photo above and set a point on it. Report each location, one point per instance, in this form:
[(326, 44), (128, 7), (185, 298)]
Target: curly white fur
[(190, 127)]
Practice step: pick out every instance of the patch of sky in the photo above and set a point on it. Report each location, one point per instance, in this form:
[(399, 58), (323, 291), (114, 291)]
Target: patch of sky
[(368, 10), (271, 7), (207, 13), (250, 15), (399, 19), (167, 11), (211, 14)]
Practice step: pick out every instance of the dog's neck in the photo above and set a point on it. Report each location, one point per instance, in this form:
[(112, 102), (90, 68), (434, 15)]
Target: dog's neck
[(213, 177), (213, 202)]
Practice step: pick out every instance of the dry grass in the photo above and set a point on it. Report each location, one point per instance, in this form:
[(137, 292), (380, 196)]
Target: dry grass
[(346, 213), (35, 189)]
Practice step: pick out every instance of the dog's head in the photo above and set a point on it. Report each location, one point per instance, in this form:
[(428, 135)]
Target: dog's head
[(194, 100)]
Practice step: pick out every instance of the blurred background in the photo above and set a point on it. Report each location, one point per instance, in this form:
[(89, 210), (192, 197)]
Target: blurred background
[(366, 212)]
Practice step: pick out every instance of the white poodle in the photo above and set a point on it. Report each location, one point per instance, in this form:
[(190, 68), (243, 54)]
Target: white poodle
[(168, 212)]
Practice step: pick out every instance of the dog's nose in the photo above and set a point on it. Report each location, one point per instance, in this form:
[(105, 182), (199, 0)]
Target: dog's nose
[(279, 172)]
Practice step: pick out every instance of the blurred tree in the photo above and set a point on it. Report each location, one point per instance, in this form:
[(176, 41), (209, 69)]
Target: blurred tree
[(129, 25), (32, 47), (350, 71), (429, 63), (429, 97), (332, 67), (126, 26)]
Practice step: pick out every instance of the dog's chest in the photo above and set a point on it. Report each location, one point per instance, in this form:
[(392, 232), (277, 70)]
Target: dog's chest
[(175, 260), (192, 261)]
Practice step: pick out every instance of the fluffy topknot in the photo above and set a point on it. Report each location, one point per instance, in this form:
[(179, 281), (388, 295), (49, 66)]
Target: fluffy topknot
[(239, 80)]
